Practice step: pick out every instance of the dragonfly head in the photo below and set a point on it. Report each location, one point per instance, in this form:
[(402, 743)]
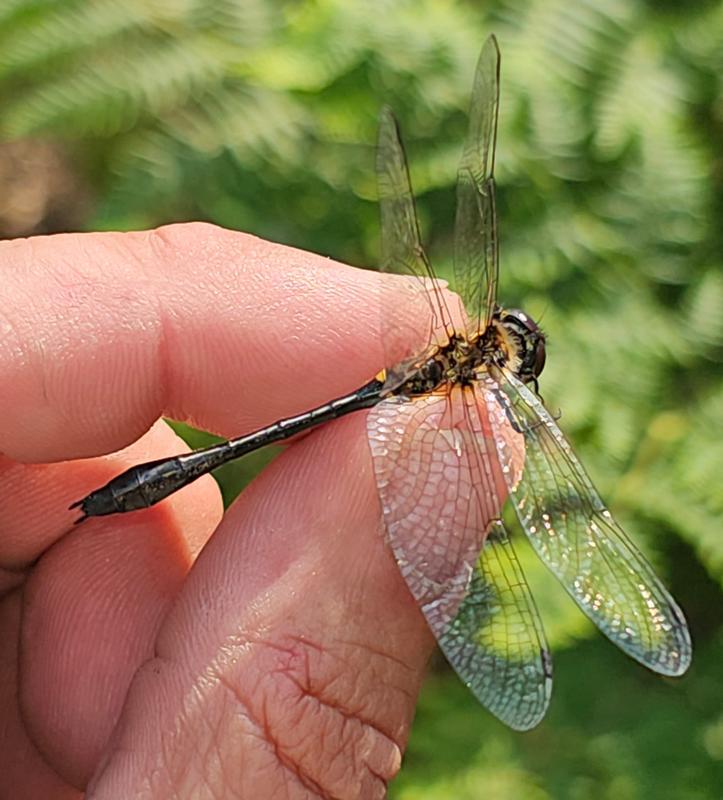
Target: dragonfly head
[(527, 341)]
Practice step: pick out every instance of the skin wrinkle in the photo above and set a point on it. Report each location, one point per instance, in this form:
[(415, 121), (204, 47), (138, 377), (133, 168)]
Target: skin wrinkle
[(160, 245), (321, 683), (9, 581), (321, 687), (40, 751), (297, 671), (287, 764), (362, 755), (348, 718), (23, 750), (188, 773), (163, 352), (211, 749), (375, 651), (265, 727), (315, 692), (305, 690)]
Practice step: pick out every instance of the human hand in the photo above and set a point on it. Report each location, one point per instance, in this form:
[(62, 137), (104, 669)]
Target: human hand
[(288, 660)]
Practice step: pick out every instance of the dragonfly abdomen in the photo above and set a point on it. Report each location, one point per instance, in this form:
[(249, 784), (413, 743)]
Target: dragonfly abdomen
[(147, 484)]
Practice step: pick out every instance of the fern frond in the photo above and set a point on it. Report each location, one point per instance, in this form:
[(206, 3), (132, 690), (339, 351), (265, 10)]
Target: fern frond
[(69, 30), (113, 91)]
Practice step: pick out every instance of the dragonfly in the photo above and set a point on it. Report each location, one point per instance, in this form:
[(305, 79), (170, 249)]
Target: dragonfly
[(456, 430)]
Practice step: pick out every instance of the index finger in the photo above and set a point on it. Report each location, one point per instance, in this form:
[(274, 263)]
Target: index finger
[(101, 334)]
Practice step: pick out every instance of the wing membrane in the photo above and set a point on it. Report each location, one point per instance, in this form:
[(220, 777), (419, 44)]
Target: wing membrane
[(402, 250), (578, 539), (476, 246), (496, 641), (439, 485)]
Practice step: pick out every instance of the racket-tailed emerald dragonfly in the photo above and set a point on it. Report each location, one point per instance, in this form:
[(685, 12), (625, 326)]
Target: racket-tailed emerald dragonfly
[(452, 430)]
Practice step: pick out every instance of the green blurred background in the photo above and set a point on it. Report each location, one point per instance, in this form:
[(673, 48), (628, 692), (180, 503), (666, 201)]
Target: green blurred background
[(261, 115)]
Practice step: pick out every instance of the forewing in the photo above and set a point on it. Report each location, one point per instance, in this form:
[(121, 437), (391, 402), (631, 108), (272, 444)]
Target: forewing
[(402, 249), (476, 246), (578, 539), (440, 486)]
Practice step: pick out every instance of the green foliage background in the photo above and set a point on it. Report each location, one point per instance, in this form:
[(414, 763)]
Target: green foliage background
[(260, 115)]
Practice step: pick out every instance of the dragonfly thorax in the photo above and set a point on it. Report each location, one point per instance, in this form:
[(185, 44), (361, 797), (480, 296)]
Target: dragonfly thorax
[(455, 363), (520, 342), (512, 341)]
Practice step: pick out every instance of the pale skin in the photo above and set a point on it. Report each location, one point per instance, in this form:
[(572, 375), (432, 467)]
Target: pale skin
[(284, 660)]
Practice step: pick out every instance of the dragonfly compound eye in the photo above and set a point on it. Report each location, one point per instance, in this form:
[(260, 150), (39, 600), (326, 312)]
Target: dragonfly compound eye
[(540, 356)]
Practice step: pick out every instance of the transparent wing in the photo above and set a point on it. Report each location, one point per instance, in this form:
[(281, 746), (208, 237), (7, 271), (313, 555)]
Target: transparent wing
[(402, 250), (476, 246), (439, 483), (496, 641), (578, 539)]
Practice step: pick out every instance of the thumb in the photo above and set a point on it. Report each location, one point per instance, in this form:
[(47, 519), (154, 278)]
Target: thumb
[(292, 661)]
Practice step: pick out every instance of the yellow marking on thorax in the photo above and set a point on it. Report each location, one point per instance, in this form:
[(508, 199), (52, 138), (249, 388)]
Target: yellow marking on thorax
[(508, 346)]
